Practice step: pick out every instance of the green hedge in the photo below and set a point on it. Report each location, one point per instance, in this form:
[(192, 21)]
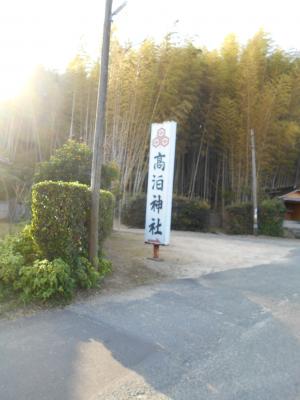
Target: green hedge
[(26, 273), (239, 218), (60, 218), (134, 212), (270, 216), (187, 214), (72, 163), (190, 215)]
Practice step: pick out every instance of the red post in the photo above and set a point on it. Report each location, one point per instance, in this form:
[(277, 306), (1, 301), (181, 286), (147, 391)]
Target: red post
[(156, 251)]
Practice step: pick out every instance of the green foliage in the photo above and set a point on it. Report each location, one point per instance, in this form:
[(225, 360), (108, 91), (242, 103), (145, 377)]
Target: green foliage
[(106, 214), (105, 266), (215, 96), (33, 278), (60, 219), (26, 245), (190, 215), (47, 260), (11, 262), (187, 214), (46, 280), (16, 252), (271, 216), (70, 163), (86, 276), (239, 219), (134, 212), (110, 174)]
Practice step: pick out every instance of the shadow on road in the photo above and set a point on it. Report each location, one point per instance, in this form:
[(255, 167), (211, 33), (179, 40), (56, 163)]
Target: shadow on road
[(188, 339)]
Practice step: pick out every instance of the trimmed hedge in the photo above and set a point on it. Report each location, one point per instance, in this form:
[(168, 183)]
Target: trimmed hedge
[(271, 216), (187, 214), (190, 215), (60, 218), (239, 218), (134, 212)]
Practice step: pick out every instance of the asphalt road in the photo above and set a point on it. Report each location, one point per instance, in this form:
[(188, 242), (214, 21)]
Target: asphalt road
[(231, 335)]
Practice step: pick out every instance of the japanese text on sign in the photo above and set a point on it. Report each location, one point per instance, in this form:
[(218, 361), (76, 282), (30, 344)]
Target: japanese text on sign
[(160, 183)]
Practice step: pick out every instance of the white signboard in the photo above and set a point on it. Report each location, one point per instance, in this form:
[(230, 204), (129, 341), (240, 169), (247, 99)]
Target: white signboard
[(160, 183)]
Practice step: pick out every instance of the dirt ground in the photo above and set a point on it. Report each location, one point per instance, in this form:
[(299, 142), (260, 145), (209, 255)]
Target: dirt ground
[(190, 255)]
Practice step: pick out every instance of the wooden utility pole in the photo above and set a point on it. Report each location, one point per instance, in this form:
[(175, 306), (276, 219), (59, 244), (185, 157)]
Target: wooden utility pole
[(254, 183), (100, 133), (99, 137)]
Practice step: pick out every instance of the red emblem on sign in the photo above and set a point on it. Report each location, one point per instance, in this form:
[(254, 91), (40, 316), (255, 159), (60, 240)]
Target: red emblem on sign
[(161, 138)]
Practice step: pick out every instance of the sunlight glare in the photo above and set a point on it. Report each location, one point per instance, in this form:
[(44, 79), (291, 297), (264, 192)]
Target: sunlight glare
[(50, 33)]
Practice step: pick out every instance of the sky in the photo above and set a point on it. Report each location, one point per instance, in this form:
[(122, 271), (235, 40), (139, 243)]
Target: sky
[(50, 32)]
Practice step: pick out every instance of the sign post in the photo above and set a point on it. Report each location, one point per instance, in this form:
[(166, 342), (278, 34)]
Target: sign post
[(160, 185)]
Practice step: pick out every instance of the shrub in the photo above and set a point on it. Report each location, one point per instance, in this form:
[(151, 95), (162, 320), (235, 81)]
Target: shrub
[(60, 219), (43, 279), (46, 280), (271, 216), (110, 174), (86, 276), (11, 262), (106, 214), (239, 219), (134, 212), (72, 163), (186, 214), (105, 266), (58, 233), (25, 244), (190, 215)]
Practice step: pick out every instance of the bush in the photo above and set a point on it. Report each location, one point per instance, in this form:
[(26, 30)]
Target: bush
[(271, 216), (190, 215), (43, 279), (186, 214), (11, 262), (86, 276), (239, 219), (72, 163), (134, 212), (24, 244), (47, 260), (60, 219), (46, 280), (106, 214)]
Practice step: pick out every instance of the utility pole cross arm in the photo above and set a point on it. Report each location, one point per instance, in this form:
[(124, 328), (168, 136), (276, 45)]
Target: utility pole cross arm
[(120, 8)]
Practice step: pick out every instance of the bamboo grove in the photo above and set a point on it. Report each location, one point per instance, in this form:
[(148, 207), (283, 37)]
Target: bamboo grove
[(215, 96)]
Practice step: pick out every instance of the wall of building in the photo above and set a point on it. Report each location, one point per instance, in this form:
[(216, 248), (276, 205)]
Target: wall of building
[(293, 211)]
